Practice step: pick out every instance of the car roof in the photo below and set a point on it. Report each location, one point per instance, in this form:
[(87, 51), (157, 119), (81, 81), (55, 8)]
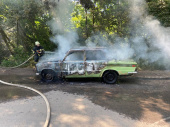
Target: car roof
[(86, 48)]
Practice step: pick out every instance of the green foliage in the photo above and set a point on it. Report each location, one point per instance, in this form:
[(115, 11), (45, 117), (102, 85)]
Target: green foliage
[(161, 10), (19, 57), (108, 16), (25, 21), (145, 65), (4, 53)]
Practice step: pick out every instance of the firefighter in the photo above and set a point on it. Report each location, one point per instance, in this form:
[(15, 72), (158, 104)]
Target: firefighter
[(38, 51)]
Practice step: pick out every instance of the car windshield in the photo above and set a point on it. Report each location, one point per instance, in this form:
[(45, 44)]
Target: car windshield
[(95, 55), (75, 56)]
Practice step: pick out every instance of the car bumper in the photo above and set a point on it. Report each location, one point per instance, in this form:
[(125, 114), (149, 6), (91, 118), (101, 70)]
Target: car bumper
[(37, 73), (135, 72)]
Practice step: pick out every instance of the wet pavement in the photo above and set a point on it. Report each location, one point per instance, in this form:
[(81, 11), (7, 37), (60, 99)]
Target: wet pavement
[(142, 100)]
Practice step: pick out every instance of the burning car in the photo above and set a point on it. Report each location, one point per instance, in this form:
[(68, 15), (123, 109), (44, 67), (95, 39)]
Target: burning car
[(86, 63)]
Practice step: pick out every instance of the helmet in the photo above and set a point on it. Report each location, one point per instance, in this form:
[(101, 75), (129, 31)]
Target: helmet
[(37, 43)]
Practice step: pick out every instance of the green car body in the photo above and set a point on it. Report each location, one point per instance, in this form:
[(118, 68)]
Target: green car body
[(86, 63), (120, 67)]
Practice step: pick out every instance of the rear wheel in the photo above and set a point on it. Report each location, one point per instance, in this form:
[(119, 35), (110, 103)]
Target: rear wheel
[(110, 77), (48, 75)]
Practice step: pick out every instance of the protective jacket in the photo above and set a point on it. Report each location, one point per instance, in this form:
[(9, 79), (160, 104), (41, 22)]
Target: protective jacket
[(38, 51)]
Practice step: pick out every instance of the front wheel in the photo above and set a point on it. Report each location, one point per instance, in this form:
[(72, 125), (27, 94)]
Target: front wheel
[(110, 77), (48, 75)]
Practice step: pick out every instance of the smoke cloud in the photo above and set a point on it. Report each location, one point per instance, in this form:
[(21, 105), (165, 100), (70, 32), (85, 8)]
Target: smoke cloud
[(63, 35), (149, 40)]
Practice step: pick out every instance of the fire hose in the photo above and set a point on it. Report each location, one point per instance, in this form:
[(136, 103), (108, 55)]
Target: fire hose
[(34, 90), (21, 63)]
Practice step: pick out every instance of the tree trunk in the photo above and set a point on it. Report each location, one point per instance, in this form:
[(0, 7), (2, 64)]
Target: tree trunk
[(6, 40), (86, 24), (24, 35), (17, 34)]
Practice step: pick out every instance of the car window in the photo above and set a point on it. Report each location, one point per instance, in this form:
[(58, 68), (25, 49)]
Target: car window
[(95, 55), (75, 56)]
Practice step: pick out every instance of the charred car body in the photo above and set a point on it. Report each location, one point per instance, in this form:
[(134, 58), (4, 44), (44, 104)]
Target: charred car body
[(86, 63)]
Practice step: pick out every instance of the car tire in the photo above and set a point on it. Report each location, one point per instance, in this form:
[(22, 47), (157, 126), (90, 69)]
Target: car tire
[(110, 77), (48, 75)]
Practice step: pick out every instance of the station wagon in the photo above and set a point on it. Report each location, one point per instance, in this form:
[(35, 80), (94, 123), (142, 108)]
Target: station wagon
[(86, 63)]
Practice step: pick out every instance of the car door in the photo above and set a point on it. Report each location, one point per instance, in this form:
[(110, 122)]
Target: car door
[(95, 62), (73, 65)]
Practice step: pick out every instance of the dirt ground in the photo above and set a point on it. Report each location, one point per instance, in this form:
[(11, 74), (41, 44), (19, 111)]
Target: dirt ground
[(142, 100)]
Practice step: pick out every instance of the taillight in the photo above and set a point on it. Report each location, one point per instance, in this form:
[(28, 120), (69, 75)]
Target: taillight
[(133, 65)]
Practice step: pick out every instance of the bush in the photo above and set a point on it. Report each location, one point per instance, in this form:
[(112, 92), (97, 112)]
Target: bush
[(146, 65), (19, 57), (4, 53)]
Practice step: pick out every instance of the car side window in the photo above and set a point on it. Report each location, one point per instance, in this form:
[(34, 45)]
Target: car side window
[(95, 55), (75, 56)]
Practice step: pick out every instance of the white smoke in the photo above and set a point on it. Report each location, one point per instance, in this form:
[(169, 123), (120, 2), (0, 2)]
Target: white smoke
[(63, 35), (65, 42), (149, 41), (118, 50), (160, 35)]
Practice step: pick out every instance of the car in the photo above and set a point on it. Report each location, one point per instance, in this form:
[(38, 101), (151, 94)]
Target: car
[(86, 63)]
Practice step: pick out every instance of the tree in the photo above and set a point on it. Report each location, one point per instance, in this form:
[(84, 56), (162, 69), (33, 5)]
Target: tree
[(22, 23), (161, 10), (25, 22), (104, 16)]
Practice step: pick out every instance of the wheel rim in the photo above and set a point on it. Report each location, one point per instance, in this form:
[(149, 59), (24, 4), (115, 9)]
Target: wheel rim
[(49, 77), (110, 77)]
